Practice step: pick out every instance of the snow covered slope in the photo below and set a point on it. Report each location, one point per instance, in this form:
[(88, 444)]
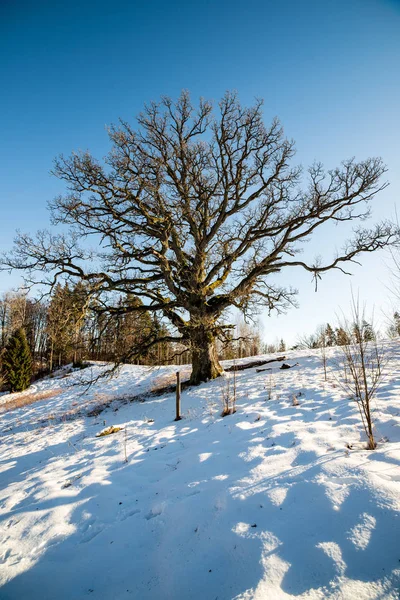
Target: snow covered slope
[(267, 503)]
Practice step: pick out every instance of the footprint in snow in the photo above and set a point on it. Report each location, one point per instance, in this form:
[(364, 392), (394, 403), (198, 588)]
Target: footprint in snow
[(5, 557), (194, 493), (129, 513), (156, 511), (388, 477), (90, 530), (12, 522)]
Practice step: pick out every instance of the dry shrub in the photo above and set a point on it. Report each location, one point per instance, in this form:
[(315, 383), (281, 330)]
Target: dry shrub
[(228, 394), (362, 364), (25, 399), (270, 385), (97, 404)]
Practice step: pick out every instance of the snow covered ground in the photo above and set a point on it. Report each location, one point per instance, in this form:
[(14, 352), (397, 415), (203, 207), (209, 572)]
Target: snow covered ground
[(267, 503)]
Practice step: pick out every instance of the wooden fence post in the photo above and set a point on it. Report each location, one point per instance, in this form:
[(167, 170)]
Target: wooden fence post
[(178, 397)]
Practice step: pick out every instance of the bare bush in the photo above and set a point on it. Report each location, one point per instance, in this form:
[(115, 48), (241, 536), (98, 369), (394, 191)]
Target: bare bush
[(270, 385), (228, 394), (362, 366), (323, 344), (295, 401)]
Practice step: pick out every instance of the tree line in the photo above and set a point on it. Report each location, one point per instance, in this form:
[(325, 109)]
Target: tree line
[(63, 329), (327, 336), (48, 333)]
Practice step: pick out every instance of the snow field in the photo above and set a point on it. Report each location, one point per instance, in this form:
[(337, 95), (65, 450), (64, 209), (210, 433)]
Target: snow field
[(268, 503)]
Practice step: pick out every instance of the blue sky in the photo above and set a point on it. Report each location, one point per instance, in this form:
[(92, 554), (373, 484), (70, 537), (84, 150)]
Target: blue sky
[(329, 69)]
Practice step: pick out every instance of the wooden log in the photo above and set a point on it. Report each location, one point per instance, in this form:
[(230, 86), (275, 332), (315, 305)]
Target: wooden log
[(256, 363)]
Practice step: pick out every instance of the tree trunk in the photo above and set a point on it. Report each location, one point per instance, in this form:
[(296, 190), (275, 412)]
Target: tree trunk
[(51, 356), (205, 363)]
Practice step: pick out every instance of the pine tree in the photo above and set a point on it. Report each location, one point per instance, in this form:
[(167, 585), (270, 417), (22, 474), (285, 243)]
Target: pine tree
[(17, 362), (368, 332), (394, 327), (282, 346), (330, 336), (396, 319)]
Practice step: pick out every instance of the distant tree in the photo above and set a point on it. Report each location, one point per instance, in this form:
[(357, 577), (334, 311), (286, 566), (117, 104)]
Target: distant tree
[(58, 328), (160, 353), (368, 332), (330, 336), (17, 362), (323, 344), (77, 302), (35, 327), (343, 338), (227, 348), (195, 213), (310, 341), (18, 310), (396, 319), (270, 348), (246, 338), (394, 326), (4, 317), (362, 330), (282, 346), (134, 329)]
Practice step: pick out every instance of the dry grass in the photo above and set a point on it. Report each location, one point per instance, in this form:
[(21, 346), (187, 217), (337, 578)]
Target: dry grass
[(97, 404), (163, 381), (25, 399), (108, 431)]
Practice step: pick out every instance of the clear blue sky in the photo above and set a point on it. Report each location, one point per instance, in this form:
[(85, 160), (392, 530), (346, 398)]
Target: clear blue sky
[(329, 69)]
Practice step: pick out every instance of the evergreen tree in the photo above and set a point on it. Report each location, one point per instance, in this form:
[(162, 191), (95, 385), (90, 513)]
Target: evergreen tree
[(282, 346), (135, 331), (363, 331), (368, 332), (357, 333), (17, 362), (396, 319), (330, 336), (394, 327)]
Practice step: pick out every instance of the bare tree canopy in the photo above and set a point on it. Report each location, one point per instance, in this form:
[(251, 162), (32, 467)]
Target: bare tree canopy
[(192, 212)]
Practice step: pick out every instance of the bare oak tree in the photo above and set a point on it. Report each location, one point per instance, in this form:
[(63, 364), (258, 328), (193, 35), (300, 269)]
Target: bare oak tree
[(193, 211)]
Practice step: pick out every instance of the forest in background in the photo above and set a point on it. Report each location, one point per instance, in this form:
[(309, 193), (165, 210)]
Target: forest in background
[(62, 329)]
